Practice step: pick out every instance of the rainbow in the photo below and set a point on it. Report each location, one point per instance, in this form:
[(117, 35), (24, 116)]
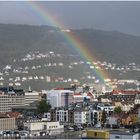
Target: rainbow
[(74, 41)]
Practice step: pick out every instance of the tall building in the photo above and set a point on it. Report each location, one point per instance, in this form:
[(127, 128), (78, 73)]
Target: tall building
[(62, 116), (7, 101), (95, 116), (31, 96), (81, 117), (60, 97)]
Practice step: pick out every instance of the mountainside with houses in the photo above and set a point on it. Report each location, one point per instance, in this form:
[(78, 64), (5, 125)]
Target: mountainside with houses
[(39, 56)]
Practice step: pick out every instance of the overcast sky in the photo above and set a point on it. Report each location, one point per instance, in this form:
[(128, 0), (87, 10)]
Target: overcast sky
[(120, 16)]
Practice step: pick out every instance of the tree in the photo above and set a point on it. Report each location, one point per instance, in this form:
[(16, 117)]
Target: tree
[(86, 88), (73, 86), (117, 110), (104, 117), (43, 106)]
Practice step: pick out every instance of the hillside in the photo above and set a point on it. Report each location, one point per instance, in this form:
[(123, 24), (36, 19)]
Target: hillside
[(15, 40), (40, 52), (111, 46)]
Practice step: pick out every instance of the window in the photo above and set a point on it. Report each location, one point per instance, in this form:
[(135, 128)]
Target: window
[(117, 137), (95, 134)]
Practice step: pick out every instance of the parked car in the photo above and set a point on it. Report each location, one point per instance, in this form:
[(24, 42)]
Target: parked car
[(70, 128), (24, 134), (42, 133), (80, 127), (6, 134)]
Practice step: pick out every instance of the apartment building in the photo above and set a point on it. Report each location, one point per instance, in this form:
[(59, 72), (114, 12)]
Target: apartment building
[(60, 97), (81, 117), (31, 96), (107, 107), (7, 123), (40, 125), (62, 116), (70, 117), (95, 116), (7, 101)]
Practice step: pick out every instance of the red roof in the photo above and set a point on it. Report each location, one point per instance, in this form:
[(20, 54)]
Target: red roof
[(77, 93), (14, 114), (125, 92), (89, 94), (58, 88)]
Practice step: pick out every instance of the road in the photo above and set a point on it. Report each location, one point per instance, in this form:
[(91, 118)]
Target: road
[(64, 135), (71, 134)]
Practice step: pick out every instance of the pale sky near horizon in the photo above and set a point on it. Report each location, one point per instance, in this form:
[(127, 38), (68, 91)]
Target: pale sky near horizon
[(111, 15)]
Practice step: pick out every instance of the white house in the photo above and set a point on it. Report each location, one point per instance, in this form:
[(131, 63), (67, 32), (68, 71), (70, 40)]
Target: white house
[(81, 116)]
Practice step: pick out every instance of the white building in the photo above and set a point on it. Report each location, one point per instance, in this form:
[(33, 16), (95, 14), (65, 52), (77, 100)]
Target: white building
[(127, 107), (124, 135), (113, 120), (81, 116), (7, 101), (58, 98), (40, 125), (47, 116), (62, 116), (137, 99), (31, 97), (48, 78), (7, 124), (108, 108)]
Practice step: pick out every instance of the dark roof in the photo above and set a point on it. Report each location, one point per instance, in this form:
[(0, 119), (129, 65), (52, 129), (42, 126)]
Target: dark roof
[(6, 89), (24, 107), (11, 89), (123, 98), (125, 91)]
